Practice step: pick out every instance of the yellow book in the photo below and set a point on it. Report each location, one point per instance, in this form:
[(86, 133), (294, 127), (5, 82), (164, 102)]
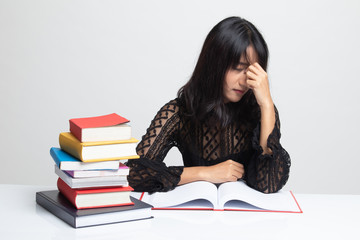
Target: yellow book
[(98, 151)]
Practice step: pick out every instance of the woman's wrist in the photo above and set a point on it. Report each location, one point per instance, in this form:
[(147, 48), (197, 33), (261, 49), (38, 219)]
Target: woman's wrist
[(192, 174), (202, 174), (268, 105), (267, 125)]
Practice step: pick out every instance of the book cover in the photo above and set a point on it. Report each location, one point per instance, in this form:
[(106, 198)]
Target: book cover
[(91, 182), (58, 205), (67, 162), (77, 125), (229, 196), (98, 151), (96, 197), (121, 171)]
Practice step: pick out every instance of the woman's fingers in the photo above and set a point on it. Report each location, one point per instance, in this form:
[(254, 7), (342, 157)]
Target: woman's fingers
[(256, 68), (236, 169), (224, 172), (255, 76), (251, 75), (255, 72), (257, 80), (239, 173)]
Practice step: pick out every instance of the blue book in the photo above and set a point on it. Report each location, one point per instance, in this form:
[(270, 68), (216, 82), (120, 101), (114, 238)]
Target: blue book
[(67, 162)]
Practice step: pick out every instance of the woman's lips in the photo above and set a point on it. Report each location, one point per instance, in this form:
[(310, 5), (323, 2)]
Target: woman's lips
[(239, 91)]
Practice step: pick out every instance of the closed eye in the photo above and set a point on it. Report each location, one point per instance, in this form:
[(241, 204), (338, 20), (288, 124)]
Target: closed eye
[(241, 66)]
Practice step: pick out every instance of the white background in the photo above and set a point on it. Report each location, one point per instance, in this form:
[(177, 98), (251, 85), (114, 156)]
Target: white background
[(65, 59)]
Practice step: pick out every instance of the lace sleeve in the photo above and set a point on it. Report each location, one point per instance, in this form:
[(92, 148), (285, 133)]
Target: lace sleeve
[(149, 173), (268, 173)]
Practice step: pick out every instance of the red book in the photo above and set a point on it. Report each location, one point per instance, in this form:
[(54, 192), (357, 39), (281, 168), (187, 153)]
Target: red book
[(96, 197), (109, 127)]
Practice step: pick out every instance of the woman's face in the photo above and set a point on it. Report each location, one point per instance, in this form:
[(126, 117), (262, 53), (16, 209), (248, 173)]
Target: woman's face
[(235, 85)]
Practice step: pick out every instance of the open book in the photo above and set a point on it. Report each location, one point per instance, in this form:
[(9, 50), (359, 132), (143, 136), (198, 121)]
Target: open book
[(234, 196)]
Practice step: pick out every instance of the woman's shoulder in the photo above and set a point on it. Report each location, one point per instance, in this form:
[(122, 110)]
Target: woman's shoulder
[(169, 109), (171, 106)]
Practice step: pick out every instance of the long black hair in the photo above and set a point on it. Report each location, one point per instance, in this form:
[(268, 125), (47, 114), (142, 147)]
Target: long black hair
[(202, 96)]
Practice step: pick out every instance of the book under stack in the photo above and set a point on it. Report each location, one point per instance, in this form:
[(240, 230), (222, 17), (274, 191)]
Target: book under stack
[(91, 175)]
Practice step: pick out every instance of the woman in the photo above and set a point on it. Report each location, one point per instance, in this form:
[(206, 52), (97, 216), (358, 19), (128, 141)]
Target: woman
[(223, 120)]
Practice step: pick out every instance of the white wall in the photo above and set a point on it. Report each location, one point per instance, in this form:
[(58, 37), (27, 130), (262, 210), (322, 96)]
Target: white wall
[(65, 59)]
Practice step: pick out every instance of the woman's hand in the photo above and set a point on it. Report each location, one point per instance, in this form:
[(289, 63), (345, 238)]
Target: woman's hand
[(228, 171), (257, 80)]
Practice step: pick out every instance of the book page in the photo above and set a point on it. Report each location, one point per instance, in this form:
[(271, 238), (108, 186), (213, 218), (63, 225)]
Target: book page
[(189, 195), (233, 195)]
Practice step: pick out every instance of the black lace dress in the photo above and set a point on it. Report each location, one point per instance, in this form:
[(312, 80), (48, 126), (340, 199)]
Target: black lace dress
[(204, 145)]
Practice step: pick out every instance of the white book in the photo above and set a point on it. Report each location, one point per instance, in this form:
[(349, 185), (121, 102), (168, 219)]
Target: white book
[(108, 133), (91, 181), (123, 170), (234, 196)]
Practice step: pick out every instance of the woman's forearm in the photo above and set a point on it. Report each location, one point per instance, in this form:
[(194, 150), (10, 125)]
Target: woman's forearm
[(222, 172), (267, 125), (191, 174)]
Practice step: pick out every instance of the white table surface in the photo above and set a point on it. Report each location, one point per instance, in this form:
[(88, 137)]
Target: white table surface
[(324, 217)]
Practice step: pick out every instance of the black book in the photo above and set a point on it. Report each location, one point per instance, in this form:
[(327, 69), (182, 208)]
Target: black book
[(57, 204)]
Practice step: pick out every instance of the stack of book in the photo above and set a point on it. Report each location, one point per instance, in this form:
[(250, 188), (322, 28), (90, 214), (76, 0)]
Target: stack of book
[(92, 178)]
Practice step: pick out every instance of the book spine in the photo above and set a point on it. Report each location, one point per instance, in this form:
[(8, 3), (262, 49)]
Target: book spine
[(71, 145), (64, 177), (75, 130), (55, 157), (71, 173), (68, 192), (55, 209)]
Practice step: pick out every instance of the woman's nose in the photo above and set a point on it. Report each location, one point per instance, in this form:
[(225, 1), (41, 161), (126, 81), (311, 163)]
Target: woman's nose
[(243, 78)]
